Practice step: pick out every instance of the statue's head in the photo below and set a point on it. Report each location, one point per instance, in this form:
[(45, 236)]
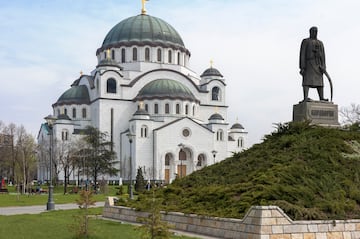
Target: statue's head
[(313, 32)]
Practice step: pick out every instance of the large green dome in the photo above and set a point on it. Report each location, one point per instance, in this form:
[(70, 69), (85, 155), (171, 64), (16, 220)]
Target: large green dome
[(165, 89), (75, 95), (143, 30)]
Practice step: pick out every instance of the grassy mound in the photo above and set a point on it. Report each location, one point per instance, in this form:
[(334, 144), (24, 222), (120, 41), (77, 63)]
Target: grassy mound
[(310, 172)]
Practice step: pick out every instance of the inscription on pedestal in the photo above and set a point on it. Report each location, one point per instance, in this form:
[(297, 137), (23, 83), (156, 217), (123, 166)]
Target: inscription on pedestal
[(322, 114), (318, 112)]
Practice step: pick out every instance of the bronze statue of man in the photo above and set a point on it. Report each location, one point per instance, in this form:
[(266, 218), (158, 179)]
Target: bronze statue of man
[(312, 65)]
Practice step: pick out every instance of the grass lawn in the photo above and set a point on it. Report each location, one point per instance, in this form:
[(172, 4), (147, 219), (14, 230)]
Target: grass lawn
[(15, 199), (60, 224)]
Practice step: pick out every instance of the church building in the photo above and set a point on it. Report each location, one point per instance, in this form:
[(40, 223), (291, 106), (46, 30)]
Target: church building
[(145, 96)]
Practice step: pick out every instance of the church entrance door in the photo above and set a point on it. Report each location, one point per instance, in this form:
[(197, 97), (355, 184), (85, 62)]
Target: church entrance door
[(167, 176), (181, 167), (181, 171)]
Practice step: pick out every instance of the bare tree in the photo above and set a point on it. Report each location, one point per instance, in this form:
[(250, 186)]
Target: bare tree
[(7, 150), (350, 114), (25, 157), (67, 157), (17, 155)]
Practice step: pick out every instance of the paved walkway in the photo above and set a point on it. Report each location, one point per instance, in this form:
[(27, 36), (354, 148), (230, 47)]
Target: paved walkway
[(42, 208)]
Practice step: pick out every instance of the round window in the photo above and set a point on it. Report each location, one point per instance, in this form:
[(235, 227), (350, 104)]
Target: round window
[(186, 132)]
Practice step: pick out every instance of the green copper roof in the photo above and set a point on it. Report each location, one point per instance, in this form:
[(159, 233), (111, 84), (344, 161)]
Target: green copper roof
[(75, 95), (211, 72), (237, 126), (216, 116), (165, 89), (143, 30)]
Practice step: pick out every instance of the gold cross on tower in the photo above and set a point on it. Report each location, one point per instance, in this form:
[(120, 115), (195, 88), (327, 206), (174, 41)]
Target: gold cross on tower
[(143, 10)]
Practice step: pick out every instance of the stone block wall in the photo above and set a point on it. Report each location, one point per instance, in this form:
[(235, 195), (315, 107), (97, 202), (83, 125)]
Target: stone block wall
[(261, 222)]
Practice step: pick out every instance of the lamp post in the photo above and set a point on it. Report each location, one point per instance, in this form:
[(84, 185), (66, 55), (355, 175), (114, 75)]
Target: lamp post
[(131, 138), (50, 121), (182, 146), (214, 152)]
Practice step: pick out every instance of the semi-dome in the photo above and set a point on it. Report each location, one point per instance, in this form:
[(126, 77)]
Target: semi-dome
[(143, 30), (165, 89), (141, 112), (237, 126), (75, 95), (216, 116), (63, 117), (211, 72), (109, 62)]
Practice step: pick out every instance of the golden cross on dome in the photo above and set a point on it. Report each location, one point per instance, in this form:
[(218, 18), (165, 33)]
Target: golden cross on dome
[(143, 10), (81, 73), (141, 105), (211, 63), (216, 109)]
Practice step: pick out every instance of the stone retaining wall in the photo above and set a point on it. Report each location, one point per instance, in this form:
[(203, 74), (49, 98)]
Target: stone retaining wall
[(261, 222)]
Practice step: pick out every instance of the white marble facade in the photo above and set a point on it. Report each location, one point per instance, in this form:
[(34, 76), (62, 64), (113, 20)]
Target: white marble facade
[(144, 86)]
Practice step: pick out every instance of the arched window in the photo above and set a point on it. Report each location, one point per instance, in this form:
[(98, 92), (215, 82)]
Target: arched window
[(167, 108), (144, 131), (159, 57), (147, 54), (113, 54), (219, 135), (84, 113), (182, 155), (201, 160), (167, 159), (169, 56), (97, 84), (178, 58), (74, 113), (177, 108), (215, 93), (156, 109), (134, 54), (105, 55), (186, 109), (194, 110), (65, 111), (123, 56), (111, 85)]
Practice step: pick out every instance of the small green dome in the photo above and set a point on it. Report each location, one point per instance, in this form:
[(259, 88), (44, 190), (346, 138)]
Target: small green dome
[(211, 72), (75, 95), (63, 117), (165, 89), (143, 30), (237, 126), (216, 116)]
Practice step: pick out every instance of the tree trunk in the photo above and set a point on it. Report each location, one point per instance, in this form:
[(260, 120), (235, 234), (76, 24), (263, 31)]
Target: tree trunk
[(65, 179)]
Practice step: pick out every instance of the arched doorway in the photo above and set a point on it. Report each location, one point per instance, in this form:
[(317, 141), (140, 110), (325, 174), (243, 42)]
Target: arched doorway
[(168, 162), (181, 168)]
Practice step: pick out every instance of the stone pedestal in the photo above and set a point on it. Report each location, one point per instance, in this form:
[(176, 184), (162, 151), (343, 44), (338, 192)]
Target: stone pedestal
[(318, 112)]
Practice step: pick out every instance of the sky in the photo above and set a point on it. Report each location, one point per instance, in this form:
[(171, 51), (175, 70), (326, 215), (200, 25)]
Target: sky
[(254, 43)]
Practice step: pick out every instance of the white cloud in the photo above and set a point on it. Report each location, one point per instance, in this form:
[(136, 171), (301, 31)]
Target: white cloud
[(254, 43)]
